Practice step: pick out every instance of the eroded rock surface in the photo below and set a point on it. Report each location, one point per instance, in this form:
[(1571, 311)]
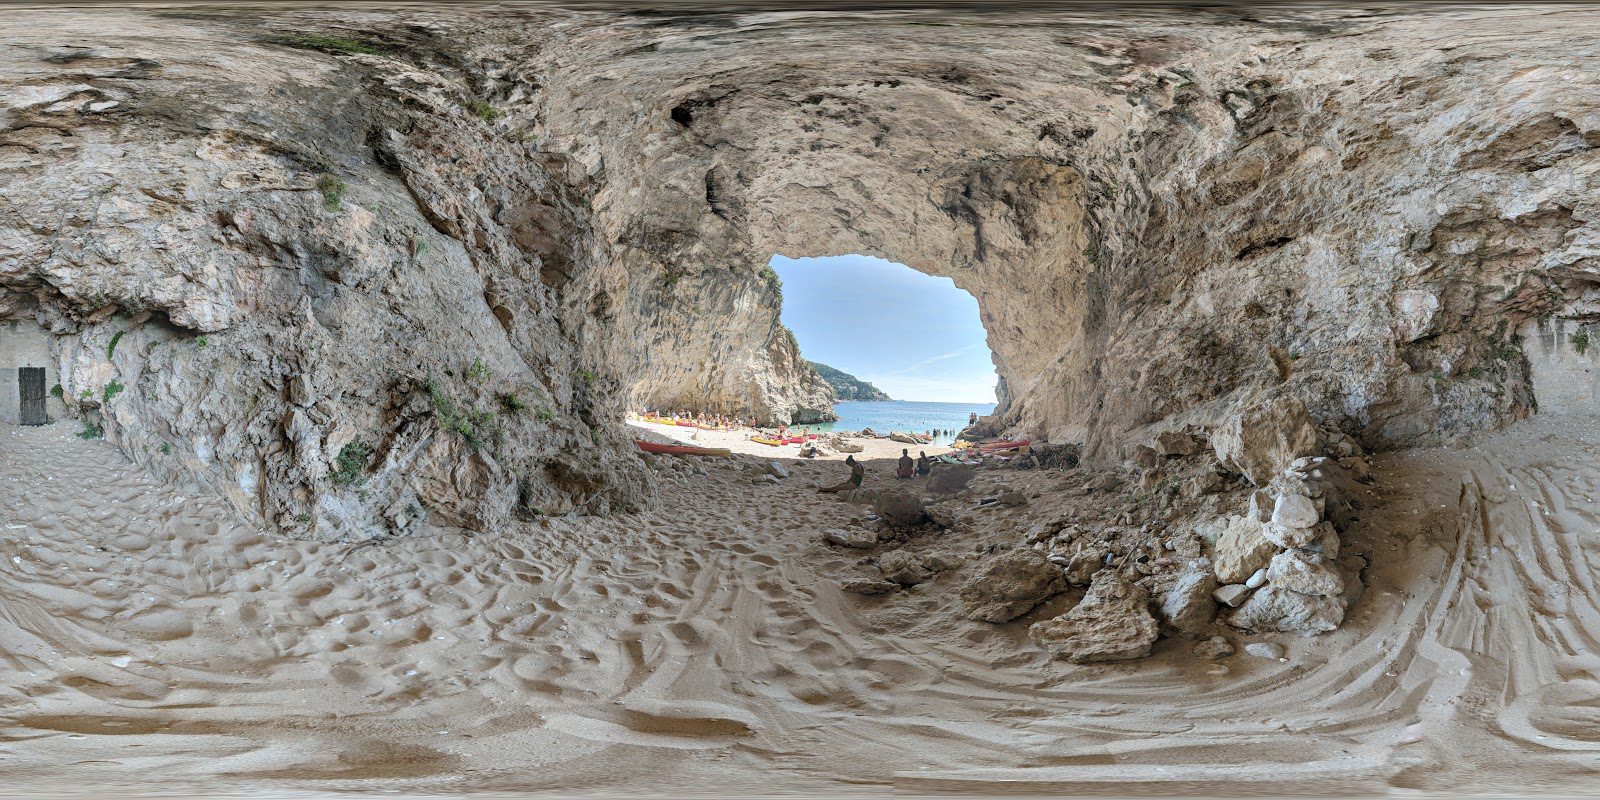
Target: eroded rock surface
[(420, 279), (1111, 623), (1010, 585)]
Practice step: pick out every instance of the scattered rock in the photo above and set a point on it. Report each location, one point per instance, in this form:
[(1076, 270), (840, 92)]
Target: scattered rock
[(900, 509), (1105, 483), (1145, 457), (1083, 564), (1288, 537), (1013, 499), (1215, 647), (1010, 585), (942, 517), (1241, 550), (1188, 606), (1263, 439), (950, 478), (1264, 650), (775, 469), (1350, 568), (868, 586), (764, 480), (903, 568), (852, 537), (1175, 443), (1277, 609), (1304, 572), (1295, 511), (941, 562), (1326, 542), (1112, 623), (1232, 595), (1257, 579)]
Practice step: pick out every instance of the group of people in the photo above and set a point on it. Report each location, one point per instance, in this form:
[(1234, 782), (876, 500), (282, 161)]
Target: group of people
[(907, 468), (700, 418)]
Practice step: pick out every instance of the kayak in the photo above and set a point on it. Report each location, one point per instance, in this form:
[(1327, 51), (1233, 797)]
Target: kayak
[(682, 449), (991, 447), (759, 440)]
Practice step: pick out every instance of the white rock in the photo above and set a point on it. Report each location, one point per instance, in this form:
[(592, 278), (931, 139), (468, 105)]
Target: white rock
[(1256, 580), (1233, 595), (1295, 511), (1264, 650)]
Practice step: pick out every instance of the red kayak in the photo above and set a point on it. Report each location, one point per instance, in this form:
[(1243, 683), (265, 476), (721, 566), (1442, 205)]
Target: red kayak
[(682, 449)]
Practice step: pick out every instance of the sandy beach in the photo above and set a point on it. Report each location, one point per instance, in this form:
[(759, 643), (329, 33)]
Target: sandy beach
[(873, 448), (150, 642)]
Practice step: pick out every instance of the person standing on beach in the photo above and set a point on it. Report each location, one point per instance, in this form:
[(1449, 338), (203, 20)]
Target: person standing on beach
[(852, 482), (906, 466)]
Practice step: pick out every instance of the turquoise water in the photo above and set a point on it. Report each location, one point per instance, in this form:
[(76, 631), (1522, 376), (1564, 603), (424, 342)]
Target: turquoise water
[(900, 415)]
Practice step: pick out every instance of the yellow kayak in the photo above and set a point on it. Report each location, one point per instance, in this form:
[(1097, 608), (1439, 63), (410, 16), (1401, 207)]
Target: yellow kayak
[(773, 442)]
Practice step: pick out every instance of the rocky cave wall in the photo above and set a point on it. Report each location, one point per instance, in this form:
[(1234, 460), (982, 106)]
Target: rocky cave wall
[(418, 267)]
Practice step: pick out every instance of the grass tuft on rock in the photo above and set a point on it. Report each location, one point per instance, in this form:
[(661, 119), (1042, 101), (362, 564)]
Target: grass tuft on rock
[(91, 431), (332, 192), (111, 349), (483, 110), (350, 464), (112, 390)]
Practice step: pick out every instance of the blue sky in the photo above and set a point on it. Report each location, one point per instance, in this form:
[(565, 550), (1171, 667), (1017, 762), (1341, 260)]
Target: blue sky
[(912, 335)]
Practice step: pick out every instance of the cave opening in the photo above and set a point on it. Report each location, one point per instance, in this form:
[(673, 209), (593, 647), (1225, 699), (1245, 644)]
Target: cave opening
[(901, 349)]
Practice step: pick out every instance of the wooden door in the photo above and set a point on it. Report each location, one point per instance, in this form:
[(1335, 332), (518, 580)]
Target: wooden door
[(31, 381)]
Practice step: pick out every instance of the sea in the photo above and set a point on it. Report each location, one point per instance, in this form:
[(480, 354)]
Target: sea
[(903, 415)]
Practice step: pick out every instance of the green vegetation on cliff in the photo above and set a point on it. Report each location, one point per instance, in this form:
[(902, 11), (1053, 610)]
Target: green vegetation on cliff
[(847, 386)]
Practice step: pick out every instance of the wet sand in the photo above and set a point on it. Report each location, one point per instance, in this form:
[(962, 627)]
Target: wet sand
[(148, 641)]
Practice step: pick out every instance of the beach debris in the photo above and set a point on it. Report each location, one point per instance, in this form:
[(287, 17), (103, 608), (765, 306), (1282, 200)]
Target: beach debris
[(1265, 650), (1111, 623), (1214, 648), (868, 586), (1188, 605), (1010, 585)]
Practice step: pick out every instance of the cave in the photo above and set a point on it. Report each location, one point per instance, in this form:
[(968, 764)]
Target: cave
[(353, 313)]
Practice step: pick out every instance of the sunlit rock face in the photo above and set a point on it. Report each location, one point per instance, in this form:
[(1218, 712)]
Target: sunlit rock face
[(549, 216)]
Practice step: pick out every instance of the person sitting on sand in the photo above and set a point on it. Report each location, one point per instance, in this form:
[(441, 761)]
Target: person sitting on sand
[(853, 482), (905, 468), (923, 465)]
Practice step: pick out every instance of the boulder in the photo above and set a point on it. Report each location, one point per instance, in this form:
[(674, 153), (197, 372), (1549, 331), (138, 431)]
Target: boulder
[(1288, 537), (1306, 573), (1010, 585), (852, 537), (941, 562), (775, 469), (1112, 623), (950, 478), (1261, 440), (1013, 499), (903, 568), (1326, 541), (943, 517), (900, 509), (1295, 511), (868, 586), (1241, 550), (1277, 609), (1350, 568), (1083, 564), (1175, 443), (1214, 648), (1188, 606)]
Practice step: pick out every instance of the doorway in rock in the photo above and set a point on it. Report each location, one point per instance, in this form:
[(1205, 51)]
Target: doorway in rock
[(903, 351), (27, 376)]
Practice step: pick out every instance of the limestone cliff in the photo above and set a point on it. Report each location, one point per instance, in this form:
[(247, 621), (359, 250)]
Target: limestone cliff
[(468, 240)]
